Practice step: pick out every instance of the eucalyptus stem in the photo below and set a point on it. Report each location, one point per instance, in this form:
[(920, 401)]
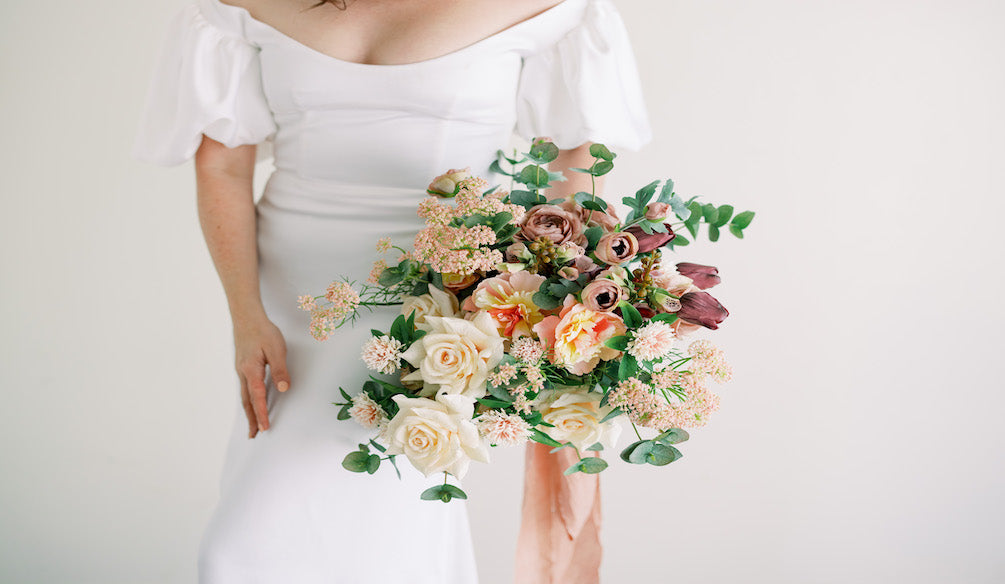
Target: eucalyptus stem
[(636, 431)]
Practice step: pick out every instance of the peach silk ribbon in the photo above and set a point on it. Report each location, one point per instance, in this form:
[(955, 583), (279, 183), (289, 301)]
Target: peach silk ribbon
[(559, 541)]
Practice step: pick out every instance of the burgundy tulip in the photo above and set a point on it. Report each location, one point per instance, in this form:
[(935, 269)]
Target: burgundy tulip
[(704, 276), (650, 241), (645, 311), (701, 308)]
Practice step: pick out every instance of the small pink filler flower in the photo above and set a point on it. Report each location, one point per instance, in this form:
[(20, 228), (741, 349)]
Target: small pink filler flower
[(382, 354)]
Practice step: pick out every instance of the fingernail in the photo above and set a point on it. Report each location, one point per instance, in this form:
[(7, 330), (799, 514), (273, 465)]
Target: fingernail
[(261, 428), (283, 386)]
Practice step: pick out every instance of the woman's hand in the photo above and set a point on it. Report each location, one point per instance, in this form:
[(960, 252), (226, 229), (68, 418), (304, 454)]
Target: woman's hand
[(257, 343)]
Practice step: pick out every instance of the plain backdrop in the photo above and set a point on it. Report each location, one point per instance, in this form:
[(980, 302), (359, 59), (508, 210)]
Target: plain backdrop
[(859, 442)]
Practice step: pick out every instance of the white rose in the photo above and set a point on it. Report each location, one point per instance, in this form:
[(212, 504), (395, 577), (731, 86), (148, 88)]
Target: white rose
[(576, 417), (435, 303), (436, 435), (456, 355)]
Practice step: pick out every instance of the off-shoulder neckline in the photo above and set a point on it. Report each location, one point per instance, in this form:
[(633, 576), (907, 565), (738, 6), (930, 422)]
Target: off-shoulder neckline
[(557, 9)]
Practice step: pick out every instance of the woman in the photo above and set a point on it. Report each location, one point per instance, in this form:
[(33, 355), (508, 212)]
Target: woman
[(364, 104)]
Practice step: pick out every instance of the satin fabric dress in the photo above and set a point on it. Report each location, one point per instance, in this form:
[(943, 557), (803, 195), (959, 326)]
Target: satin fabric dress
[(354, 146)]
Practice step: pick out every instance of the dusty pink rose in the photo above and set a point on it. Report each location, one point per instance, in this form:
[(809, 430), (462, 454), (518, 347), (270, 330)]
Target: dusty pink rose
[(553, 223), (508, 299), (617, 248), (606, 220), (657, 211), (650, 241), (703, 276), (602, 295), (701, 308), (576, 336)]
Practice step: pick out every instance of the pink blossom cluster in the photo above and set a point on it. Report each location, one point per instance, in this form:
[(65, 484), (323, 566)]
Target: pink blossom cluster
[(506, 373), (698, 402), (457, 250), (707, 359), (642, 405), (527, 350), (435, 212), (378, 268)]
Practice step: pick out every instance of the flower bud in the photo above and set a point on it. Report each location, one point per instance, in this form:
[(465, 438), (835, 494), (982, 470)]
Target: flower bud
[(701, 308), (568, 272), (651, 241), (445, 185), (657, 211), (703, 276)]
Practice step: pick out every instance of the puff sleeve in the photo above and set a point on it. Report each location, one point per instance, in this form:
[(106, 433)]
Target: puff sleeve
[(585, 87), (207, 80)]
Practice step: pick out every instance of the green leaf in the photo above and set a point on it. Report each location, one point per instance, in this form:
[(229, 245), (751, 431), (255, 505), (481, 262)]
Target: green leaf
[(743, 219), (390, 277), (539, 436), (631, 315), (533, 175), (692, 228), (373, 463), (378, 446), (710, 213), (736, 231), (724, 213), (640, 454), (356, 461), (343, 414), (619, 342), (645, 194), (546, 301), (577, 467), (626, 453), (679, 240), (543, 152), (713, 233), (593, 235), (584, 199), (667, 317), (666, 194), (596, 447), (662, 455), (601, 151), (497, 168), (494, 403), (601, 168), (443, 493), (592, 464), (629, 367), (344, 394), (395, 465), (679, 208), (673, 436), (526, 199), (500, 393)]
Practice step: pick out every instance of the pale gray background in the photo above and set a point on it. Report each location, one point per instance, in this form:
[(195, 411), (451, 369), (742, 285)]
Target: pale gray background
[(859, 443)]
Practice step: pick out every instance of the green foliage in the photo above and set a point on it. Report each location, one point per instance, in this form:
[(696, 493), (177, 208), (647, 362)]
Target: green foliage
[(612, 414), (526, 199), (593, 235), (443, 493), (543, 152), (588, 465), (588, 201), (539, 436), (601, 151), (631, 315), (534, 176), (673, 436), (619, 342), (628, 368), (650, 452)]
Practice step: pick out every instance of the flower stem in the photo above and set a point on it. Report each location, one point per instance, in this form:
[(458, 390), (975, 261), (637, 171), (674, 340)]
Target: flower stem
[(636, 431)]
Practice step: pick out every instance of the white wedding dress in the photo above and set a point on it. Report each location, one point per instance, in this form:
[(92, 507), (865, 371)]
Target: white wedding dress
[(354, 147)]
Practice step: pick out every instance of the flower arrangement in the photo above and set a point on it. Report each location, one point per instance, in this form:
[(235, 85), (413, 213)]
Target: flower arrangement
[(524, 318)]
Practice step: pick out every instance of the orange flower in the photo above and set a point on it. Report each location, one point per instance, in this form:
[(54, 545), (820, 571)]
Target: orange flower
[(508, 298), (577, 336)]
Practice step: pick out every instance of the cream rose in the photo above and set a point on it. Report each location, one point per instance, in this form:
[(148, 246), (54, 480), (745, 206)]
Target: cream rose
[(576, 417), (436, 435), (434, 303), (455, 355)]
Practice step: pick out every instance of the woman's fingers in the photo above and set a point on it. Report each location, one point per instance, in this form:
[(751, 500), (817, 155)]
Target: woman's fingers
[(255, 375), (248, 410), (276, 357)]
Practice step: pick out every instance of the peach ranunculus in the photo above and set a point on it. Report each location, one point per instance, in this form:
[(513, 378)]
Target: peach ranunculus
[(602, 295), (455, 355), (577, 336), (508, 299), (436, 435), (436, 302), (617, 248)]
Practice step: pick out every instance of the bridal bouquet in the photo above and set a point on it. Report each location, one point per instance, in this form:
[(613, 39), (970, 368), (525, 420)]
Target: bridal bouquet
[(524, 318)]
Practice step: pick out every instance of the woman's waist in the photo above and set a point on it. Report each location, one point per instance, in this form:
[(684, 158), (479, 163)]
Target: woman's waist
[(286, 191)]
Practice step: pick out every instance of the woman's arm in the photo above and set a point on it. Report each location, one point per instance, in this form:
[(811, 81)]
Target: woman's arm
[(227, 215), (575, 181)]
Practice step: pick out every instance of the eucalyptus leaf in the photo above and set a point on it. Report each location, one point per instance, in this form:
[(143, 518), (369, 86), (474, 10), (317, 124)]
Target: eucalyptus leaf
[(724, 213), (736, 231), (593, 235), (679, 208), (601, 151), (601, 168), (610, 415), (592, 464), (543, 152), (662, 455), (533, 175), (356, 461), (713, 233), (373, 463), (710, 213), (666, 193), (626, 453), (742, 220), (631, 315), (673, 436), (640, 454)]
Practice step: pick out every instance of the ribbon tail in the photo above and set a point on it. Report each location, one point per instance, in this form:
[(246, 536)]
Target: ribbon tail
[(559, 541)]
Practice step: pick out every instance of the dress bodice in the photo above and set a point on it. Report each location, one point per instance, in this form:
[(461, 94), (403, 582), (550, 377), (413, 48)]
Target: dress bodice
[(567, 73)]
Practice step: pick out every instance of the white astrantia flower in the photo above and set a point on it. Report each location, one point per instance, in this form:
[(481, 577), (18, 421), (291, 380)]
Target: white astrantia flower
[(576, 415), (366, 412), (652, 341), (436, 435), (382, 353), (455, 355)]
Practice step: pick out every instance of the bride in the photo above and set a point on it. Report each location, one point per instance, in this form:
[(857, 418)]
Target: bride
[(362, 103)]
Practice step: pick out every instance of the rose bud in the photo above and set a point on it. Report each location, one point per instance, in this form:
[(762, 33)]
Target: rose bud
[(704, 276), (518, 252), (701, 308), (617, 248), (616, 273), (445, 185), (657, 211), (567, 252), (602, 295), (553, 223), (650, 241), (662, 300), (568, 272)]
